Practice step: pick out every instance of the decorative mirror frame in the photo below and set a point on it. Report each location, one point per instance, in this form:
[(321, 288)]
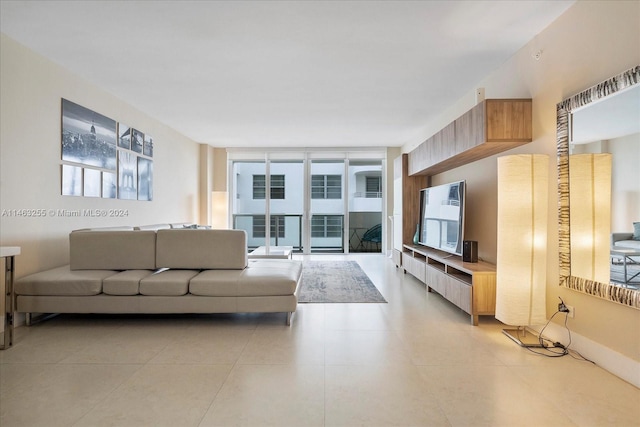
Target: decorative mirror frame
[(618, 294)]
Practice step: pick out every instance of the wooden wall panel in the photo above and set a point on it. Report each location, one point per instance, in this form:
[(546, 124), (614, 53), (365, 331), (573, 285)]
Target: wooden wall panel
[(509, 120), (470, 129), (411, 186)]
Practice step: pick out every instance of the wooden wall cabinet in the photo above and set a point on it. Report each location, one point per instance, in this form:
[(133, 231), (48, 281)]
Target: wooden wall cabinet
[(469, 286), (491, 127)]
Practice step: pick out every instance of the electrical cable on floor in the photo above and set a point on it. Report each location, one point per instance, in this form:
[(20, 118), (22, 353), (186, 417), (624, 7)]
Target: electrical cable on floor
[(564, 349)]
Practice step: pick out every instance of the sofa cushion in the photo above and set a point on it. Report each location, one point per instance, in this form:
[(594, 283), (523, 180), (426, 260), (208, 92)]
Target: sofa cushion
[(63, 281), (270, 277), (216, 283), (201, 249), (627, 244), (260, 278), (112, 250), (167, 283), (636, 231), (125, 282)]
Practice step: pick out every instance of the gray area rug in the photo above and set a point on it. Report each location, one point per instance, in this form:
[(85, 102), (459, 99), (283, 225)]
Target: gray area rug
[(336, 282)]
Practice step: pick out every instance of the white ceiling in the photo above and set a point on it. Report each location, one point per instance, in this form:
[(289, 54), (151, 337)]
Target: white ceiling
[(283, 73)]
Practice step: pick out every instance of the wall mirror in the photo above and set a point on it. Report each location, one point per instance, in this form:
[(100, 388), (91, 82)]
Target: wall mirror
[(602, 119)]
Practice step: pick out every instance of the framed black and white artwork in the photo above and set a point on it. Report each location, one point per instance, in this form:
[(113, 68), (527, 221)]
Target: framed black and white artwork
[(71, 180), (88, 138), (124, 136), (145, 179), (148, 145), (104, 158), (127, 175), (92, 183), (137, 140), (109, 185)]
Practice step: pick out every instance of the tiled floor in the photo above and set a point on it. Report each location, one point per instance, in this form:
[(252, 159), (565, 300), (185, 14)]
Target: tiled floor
[(412, 362)]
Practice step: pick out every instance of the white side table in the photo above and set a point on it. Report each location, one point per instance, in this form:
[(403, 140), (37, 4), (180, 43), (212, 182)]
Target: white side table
[(282, 252), (8, 252)]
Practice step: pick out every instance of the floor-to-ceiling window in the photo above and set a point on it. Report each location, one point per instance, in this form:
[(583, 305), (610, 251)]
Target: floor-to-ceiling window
[(248, 201), (365, 205), (327, 207), (307, 201), (286, 205)]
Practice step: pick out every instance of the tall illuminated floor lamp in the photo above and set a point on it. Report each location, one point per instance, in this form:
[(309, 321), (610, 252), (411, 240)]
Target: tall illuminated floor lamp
[(522, 245), (220, 210)]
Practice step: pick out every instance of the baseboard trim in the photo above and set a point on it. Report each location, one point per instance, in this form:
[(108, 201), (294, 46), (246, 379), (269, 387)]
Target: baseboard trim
[(618, 364)]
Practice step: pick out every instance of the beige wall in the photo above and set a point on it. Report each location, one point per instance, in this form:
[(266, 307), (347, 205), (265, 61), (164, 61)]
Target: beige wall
[(625, 182), (30, 160), (219, 169), (205, 183), (591, 42)]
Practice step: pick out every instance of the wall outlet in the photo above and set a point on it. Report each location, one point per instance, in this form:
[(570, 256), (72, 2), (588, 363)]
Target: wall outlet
[(571, 312)]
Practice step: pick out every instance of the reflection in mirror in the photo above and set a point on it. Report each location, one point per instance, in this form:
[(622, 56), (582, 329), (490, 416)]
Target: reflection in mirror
[(590, 213), (599, 130), (613, 117), (599, 202)]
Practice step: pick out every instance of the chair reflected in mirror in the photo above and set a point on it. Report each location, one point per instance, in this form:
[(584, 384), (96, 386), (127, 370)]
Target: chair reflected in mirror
[(372, 238)]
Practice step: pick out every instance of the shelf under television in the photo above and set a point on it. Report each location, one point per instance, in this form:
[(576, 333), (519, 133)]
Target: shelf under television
[(469, 285)]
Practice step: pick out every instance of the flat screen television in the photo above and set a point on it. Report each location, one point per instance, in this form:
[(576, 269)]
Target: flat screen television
[(442, 217)]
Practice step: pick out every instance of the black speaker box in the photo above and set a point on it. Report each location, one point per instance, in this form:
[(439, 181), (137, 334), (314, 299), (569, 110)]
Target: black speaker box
[(470, 251)]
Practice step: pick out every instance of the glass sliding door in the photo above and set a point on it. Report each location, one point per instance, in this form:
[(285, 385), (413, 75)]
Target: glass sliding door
[(286, 204), (365, 205), (249, 201), (327, 206), (312, 201)]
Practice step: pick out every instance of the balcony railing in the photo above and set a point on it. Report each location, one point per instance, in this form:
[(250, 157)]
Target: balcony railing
[(292, 236), (368, 194)]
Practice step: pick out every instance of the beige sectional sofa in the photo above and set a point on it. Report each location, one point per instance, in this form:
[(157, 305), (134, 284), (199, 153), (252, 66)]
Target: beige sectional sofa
[(161, 271)]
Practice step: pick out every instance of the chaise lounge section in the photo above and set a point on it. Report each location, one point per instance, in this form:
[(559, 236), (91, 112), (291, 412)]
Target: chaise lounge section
[(161, 271)]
